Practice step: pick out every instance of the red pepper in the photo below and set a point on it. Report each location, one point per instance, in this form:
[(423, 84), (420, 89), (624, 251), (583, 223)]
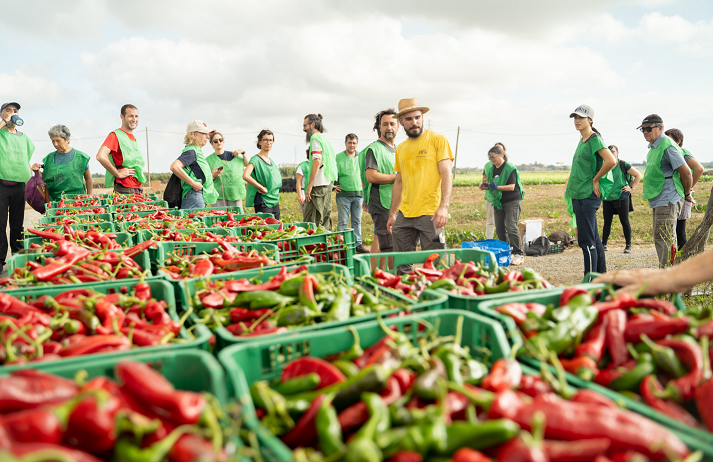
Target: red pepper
[(194, 448), (47, 234), (92, 423), (328, 373), (533, 385), (142, 291), (138, 248), (583, 367), (520, 449), (156, 312), (505, 374), (683, 389), (569, 292), (616, 344), (40, 425), (244, 314), (621, 302), (406, 456), (204, 268), (405, 378), (21, 449), (305, 431), (428, 264), (592, 397), (15, 307), (704, 392), (594, 341), (655, 325), (469, 455), (665, 406), (657, 304), (142, 337), (575, 451), (30, 388), (94, 344), (158, 394), (110, 316)]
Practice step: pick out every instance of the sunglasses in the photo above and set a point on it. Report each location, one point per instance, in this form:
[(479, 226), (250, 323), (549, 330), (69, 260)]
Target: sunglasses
[(646, 129), (218, 140)]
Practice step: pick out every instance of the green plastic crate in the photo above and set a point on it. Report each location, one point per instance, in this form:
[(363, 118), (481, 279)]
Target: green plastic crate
[(123, 208), (143, 213), (105, 226), (448, 256), (233, 210), (431, 301), (124, 226), (248, 231), (211, 220), (166, 248), (160, 290), (53, 212), (122, 238), (338, 253), (264, 359), (89, 217), (551, 297)]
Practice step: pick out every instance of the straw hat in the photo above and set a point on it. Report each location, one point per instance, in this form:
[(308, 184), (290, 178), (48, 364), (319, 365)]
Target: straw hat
[(410, 104)]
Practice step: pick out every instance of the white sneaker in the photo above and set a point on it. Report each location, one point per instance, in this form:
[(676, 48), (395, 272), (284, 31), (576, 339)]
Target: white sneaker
[(517, 260)]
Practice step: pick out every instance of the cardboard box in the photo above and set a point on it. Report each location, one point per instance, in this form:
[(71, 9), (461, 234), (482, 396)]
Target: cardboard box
[(530, 230)]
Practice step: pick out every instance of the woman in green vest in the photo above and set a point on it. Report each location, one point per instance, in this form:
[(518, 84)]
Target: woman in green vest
[(193, 169), (65, 170), (506, 193), (263, 177), (301, 178), (229, 185), (586, 186), (625, 178), (696, 171)]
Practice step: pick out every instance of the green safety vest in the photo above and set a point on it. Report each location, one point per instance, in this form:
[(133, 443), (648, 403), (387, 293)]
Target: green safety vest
[(210, 195), (234, 186), (502, 180), (489, 168), (306, 167), (15, 154), (328, 158), (385, 159), (132, 155), (348, 172), (65, 178), (584, 169), (654, 175), (570, 212), (619, 180), (268, 176)]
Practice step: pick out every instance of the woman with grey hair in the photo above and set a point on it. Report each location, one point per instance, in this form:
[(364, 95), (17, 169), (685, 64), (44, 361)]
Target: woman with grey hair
[(66, 170)]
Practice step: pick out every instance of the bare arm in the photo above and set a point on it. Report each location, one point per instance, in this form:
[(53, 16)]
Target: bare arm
[(686, 180), (395, 202), (637, 177), (252, 181), (300, 196), (445, 167), (374, 177), (312, 175), (177, 168), (679, 278), (103, 158), (88, 181), (697, 170)]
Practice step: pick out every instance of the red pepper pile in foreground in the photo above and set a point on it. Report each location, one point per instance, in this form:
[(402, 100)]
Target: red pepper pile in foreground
[(138, 417), (643, 348), (117, 199), (80, 322), (463, 278), (290, 299), (90, 239), (74, 264), (392, 401), (222, 259)]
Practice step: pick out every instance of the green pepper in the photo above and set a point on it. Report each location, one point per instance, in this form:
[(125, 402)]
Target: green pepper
[(291, 286), (262, 299), (565, 312), (295, 315), (126, 451), (452, 363), (372, 378), (565, 333), (632, 379), (425, 385), (272, 401), (474, 371), (348, 368), (529, 274), (445, 284), (341, 307), (362, 447), (499, 288), (299, 384), (329, 430), (367, 297), (479, 436), (665, 358)]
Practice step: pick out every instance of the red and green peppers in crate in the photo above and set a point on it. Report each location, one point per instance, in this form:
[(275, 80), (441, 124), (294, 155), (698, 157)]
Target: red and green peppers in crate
[(394, 397), (236, 220), (72, 264), (324, 246), (153, 216), (223, 258), (166, 223), (93, 240), (70, 323), (124, 411), (140, 207), (89, 218), (645, 349), (77, 202), (118, 199), (184, 235)]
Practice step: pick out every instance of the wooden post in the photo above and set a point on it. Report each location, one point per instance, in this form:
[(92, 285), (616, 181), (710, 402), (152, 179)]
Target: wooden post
[(148, 163), (455, 158)]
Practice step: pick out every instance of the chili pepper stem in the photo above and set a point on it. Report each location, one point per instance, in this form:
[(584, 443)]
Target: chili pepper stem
[(210, 419), (483, 401), (566, 391), (255, 446), (705, 342)]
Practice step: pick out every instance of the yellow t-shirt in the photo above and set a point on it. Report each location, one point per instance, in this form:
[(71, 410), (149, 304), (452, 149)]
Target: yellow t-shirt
[(417, 161)]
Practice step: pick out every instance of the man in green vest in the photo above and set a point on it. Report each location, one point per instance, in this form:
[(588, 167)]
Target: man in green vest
[(323, 171), (378, 175), (15, 152), (667, 184), (349, 189), (121, 155)]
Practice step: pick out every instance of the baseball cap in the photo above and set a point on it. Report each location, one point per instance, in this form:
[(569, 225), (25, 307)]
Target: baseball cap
[(583, 111), (198, 126), (7, 104), (652, 120)]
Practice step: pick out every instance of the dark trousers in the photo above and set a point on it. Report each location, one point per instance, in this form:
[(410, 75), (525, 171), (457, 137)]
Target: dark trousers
[(609, 211), (262, 208), (681, 233), (121, 189), (12, 200), (585, 210), (506, 221)]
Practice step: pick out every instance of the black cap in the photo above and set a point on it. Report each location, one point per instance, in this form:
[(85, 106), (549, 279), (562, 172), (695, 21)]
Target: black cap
[(653, 120), (7, 104)]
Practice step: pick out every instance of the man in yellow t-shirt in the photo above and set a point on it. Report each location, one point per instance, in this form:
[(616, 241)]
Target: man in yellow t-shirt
[(422, 189)]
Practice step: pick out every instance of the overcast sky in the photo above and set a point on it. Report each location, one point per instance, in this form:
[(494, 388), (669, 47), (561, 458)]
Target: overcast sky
[(509, 71)]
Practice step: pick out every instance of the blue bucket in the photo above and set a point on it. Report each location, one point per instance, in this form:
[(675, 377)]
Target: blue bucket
[(501, 249)]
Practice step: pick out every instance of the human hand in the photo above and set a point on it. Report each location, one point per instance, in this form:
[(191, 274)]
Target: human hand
[(689, 198), (308, 193), (483, 187), (238, 152), (35, 167), (217, 171), (493, 186), (300, 198), (657, 281), (338, 188), (262, 189), (595, 187), (125, 172), (390, 223), (626, 189), (364, 207), (440, 217), (197, 186)]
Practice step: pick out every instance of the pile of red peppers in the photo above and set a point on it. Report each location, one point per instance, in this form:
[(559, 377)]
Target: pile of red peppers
[(222, 259), (117, 199), (166, 223), (78, 202), (191, 236), (234, 222), (463, 278), (81, 321), (158, 215), (74, 264), (75, 211), (643, 348), (437, 400), (93, 240), (137, 417)]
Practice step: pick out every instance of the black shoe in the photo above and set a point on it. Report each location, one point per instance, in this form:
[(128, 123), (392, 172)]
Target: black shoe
[(627, 249), (360, 249), (605, 247)]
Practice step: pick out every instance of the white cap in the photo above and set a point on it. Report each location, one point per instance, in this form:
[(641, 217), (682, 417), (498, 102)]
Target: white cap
[(198, 126), (583, 111)]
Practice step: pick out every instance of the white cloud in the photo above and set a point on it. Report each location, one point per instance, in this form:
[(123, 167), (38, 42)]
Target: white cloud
[(31, 90)]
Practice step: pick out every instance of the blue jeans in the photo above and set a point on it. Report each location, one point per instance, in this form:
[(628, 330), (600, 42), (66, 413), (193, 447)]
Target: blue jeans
[(194, 200), (345, 206), (585, 210)]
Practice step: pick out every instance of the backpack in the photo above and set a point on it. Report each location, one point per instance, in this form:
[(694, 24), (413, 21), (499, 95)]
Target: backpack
[(34, 192), (538, 247), (174, 192), (629, 178), (562, 237)]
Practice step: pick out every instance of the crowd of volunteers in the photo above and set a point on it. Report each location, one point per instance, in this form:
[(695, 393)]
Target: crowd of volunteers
[(405, 188)]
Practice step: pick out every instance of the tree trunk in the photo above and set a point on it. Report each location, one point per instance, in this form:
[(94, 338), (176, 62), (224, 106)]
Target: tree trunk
[(697, 243)]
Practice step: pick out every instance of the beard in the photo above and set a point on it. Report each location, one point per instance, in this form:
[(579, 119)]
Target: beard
[(412, 133), (308, 135), (389, 135)]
